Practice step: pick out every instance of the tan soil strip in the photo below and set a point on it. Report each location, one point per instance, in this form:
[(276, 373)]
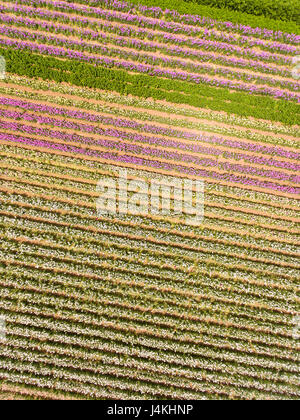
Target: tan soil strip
[(102, 172), (152, 170), (159, 114), (151, 158)]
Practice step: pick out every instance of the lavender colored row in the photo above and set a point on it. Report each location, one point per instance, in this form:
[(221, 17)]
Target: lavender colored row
[(149, 128), (196, 20), (135, 31), (149, 69), (158, 153), (185, 22), (111, 15), (133, 43), (135, 160), (166, 38), (156, 141)]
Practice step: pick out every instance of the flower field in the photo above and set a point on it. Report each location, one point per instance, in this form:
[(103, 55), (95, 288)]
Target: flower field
[(148, 306)]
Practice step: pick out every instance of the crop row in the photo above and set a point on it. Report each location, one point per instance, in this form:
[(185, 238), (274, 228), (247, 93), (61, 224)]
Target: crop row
[(73, 179), (204, 300), (58, 387), (197, 279), (202, 44), (274, 9), (191, 140), (91, 31), (30, 393), (203, 68), (147, 338), (277, 208), (165, 255), (149, 69), (134, 311), (146, 160), (190, 270), (161, 149), (189, 261), (95, 328), (59, 354), (160, 295), (172, 26), (206, 40), (210, 235), (107, 367), (230, 10), (285, 152), (69, 195), (237, 328), (150, 105), (217, 189), (97, 385), (129, 236), (194, 284), (117, 352), (25, 63), (73, 170)]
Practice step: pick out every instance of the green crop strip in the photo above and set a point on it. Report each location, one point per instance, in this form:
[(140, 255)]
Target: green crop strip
[(287, 10), (82, 74)]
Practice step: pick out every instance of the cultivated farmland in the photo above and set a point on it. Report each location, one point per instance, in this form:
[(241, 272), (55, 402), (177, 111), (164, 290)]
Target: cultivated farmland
[(149, 306)]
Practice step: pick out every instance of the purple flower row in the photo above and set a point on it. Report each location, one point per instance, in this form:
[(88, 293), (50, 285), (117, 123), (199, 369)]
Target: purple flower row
[(158, 153), (180, 23), (158, 24), (148, 58), (148, 46), (156, 141), (135, 160), (196, 20), (149, 69), (152, 129), (202, 55), (135, 31)]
